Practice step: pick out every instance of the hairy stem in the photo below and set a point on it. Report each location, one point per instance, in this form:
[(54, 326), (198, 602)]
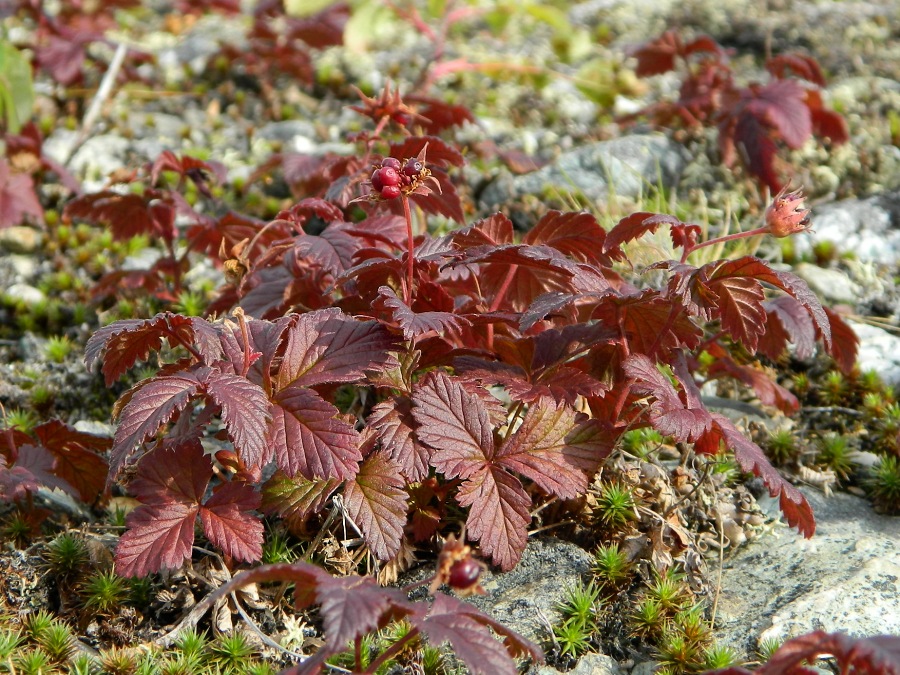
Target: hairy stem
[(720, 240)]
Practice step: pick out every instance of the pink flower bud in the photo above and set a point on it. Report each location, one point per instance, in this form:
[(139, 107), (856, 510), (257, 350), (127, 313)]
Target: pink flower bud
[(787, 215)]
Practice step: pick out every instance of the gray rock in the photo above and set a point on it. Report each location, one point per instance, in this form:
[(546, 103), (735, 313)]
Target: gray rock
[(16, 268), (528, 595), (846, 578), (830, 284), (626, 167), (99, 156), (869, 228), (26, 294), (878, 351), (20, 239), (589, 664)]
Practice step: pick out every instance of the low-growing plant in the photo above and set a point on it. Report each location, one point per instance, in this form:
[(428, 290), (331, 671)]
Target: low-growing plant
[(884, 484), (753, 121), (104, 592), (615, 505), (610, 565), (66, 555)]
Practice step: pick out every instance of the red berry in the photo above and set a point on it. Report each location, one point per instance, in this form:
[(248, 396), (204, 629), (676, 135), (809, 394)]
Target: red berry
[(388, 176), (377, 184), (464, 574), (392, 162), (413, 167), (390, 192)]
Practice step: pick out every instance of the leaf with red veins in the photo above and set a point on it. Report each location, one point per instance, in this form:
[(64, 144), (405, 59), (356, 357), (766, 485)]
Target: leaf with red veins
[(160, 533), (668, 413), (455, 423), (782, 105), (308, 438), (728, 291), (229, 525), (376, 501), (353, 606), (34, 468), (17, 197), (845, 342), (127, 215), (787, 320), (157, 537), (540, 450), (797, 288), (245, 413), (575, 234), (877, 655), (77, 458), (481, 652), (751, 458), (414, 323), (327, 346), (495, 230), (520, 272), (151, 406), (296, 497), (498, 514), (463, 626), (646, 322), (634, 227), (394, 422), (128, 341), (768, 391)]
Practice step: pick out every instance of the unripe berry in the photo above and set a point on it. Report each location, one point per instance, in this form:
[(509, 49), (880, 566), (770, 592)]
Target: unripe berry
[(413, 167), (464, 574), (389, 176), (787, 214), (392, 162), (390, 192)]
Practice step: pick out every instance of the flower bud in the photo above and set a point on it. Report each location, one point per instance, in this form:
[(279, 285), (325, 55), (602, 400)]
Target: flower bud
[(787, 215)]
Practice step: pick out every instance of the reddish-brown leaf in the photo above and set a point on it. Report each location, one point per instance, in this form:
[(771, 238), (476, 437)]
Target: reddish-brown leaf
[(376, 501), (453, 422), (329, 346), (132, 340), (844, 343), (576, 234), (307, 437), (228, 523), (160, 532), (464, 627), (77, 459), (414, 324), (751, 458), (394, 422), (245, 413), (17, 197), (151, 406), (499, 514), (296, 497), (542, 450), (668, 413), (787, 321)]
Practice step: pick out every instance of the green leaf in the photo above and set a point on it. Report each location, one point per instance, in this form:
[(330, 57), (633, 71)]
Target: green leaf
[(16, 90)]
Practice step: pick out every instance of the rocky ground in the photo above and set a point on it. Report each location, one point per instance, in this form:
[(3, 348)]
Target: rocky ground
[(564, 83)]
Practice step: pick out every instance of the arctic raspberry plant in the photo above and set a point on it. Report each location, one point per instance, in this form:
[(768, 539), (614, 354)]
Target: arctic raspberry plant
[(550, 320), (754, 122)]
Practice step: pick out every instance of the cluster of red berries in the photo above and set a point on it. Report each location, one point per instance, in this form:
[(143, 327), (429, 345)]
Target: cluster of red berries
[(391, 177)]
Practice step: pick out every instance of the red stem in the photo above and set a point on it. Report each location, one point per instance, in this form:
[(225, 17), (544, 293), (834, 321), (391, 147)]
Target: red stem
[(720, 240), (410, 245)]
